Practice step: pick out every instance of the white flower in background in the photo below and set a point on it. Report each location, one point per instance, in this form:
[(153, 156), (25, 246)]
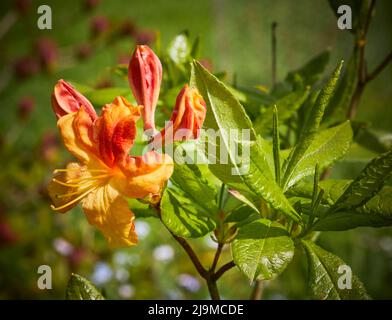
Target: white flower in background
[(142, 229), (126, 291), (102, 274), (62, 246), (121, 274), (124, 259), (188, 282), (163, 253)]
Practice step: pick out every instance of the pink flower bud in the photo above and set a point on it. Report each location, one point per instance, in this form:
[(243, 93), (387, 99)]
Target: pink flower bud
[(186, 120), (65, 100), (145, 76)]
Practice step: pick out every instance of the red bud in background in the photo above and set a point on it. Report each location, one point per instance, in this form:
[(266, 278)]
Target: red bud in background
[(48, 53), (65, 99), (26, 66), (187, 117), (25, 106), (145, 37), (99, 25), (145, 76)]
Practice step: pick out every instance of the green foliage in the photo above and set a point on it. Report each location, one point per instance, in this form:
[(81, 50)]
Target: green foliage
[(262, 249), (80, 288), (225, 113), (312, 70), (326, 148), (191, 211), (324, 276), (367, 184), (287, 106), (311, 125)]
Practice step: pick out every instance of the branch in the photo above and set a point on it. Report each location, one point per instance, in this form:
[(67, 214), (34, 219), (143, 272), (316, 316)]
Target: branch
[(257, 291), (217, 255), (380, 67), (223, 269), (192, 255)]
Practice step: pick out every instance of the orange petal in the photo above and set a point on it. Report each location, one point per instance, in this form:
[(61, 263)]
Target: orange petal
[(143, 175), (77, 132), (116, 129), (109, 212)]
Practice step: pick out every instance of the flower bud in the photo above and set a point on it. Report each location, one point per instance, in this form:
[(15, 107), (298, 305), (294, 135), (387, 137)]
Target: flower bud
[(145, 76), (65, 100), (186, 120)]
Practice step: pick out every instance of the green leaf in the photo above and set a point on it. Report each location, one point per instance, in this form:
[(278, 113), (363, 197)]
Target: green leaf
[(184, 217), (286, 106), (262, 249), (242, 215), (311, 125), (243, 199), (225, 113), (312, 70), (377, 212), (336, 110), (367, 184), (80, 288), (327, 147), (323, 269), (141, 210), (189, 179)]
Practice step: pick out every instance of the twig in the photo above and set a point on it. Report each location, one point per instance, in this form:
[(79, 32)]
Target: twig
[(217, 255), (380, 67), (223, 269), (192, 255), (257, 291)]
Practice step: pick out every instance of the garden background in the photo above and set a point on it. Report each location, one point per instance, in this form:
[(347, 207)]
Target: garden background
[(87, 41)]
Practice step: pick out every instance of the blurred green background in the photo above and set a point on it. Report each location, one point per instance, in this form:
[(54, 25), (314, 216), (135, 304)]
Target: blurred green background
[(88, 39)]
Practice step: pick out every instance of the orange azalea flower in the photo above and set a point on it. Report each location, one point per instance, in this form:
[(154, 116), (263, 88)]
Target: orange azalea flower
[(105, 173)]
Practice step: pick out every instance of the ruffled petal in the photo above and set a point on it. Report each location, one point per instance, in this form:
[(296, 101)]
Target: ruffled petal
[(106, 209), (143, 175), (116, 129), (77, 132)]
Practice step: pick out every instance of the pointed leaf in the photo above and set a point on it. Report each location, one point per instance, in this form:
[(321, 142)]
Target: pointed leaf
[(262, 249), (327, 147), (80, 288), (324, 276), (311, 125), (225, 113), (367, 184)]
